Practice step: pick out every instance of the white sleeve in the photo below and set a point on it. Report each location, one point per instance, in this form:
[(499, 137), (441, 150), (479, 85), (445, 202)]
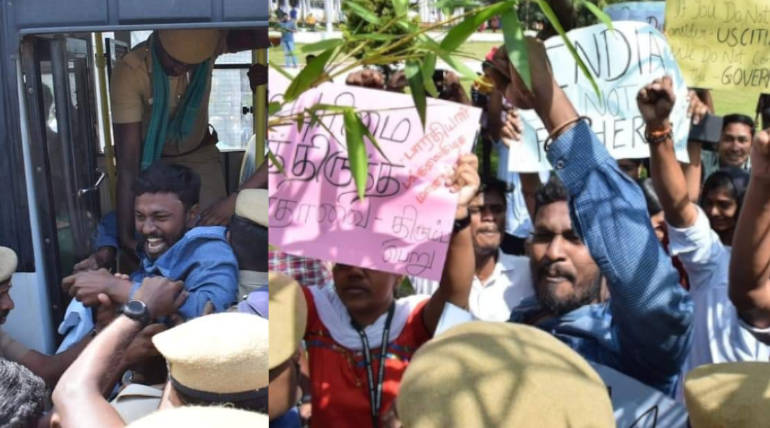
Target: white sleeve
[(700, 250)]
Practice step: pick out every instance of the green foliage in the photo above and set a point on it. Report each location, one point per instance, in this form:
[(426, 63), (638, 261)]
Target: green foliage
[(370, 17), (380, 33)]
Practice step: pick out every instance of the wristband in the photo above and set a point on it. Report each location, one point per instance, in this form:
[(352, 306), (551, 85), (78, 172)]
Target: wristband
[(462, 223)]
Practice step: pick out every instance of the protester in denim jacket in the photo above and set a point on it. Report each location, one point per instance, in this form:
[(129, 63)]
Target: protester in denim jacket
[(593, 230)]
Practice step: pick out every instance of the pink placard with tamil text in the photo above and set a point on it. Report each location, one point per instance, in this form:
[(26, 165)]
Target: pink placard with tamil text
[(404, 223)]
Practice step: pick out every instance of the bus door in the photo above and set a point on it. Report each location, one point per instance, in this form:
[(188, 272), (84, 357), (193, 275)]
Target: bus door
[(57, 73)]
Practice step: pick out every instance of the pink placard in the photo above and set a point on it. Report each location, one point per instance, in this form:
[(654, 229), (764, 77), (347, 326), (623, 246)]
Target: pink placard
[(404, 223)]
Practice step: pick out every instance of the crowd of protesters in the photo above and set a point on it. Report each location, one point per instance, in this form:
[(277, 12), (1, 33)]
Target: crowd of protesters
[(629, 263)]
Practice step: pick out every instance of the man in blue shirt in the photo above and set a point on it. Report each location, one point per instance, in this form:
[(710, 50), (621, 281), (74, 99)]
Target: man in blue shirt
[(166, 208), (592, 229)]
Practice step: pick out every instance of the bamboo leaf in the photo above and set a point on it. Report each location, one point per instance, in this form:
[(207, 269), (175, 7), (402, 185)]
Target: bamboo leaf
[(321, 45), (414, 77), (275, 161), (460, 32), (516, 46), (449, 6), (400, 7), (598, 13), (459, 66), (363, 12), (556, 25), (273, 108), (371, 138), (428, 67), (308, 76), (359, 163), (374, 36)]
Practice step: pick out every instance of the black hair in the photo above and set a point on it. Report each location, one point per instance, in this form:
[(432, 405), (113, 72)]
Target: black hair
[(22, 396), (249, 242), (738, 118), (732, 179), (491, 184), (552, 191), (169, 178), (653, 202)]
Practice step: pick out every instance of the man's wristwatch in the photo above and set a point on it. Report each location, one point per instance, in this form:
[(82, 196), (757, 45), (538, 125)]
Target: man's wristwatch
[(462, 223), (137, 311)]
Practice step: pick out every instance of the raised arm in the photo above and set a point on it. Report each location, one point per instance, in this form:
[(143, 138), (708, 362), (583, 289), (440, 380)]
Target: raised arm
[(652, 314), (459, 266), (750, 261), (655, 103)]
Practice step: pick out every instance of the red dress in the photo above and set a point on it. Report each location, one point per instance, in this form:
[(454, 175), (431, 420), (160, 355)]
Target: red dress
[(338, 375)]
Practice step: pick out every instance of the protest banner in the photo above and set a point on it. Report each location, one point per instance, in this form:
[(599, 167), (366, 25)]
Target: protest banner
[(622, 61), (637, 405), (651, 12), (721, 44), (404, 223)]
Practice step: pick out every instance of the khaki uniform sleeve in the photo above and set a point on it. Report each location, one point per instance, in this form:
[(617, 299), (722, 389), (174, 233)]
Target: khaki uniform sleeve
[(11, 349), (125, 94)]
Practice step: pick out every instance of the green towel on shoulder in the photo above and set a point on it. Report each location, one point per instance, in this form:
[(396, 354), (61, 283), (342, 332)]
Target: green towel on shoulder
[(161, 127)]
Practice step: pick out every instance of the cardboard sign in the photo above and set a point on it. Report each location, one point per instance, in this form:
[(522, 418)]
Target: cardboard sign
[(404, 223), (622, 61), (651, 12), (721, 44), (637, 405)]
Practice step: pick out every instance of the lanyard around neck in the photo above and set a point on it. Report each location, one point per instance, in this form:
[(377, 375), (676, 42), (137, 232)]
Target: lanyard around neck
[(375, 391)]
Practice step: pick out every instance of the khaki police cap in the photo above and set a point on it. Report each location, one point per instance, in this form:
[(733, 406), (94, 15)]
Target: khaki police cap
[(201, 417), (224, 353), (288, 317), (251, 204), (190, 46), (734, 395), (483, 374), (8, 262)]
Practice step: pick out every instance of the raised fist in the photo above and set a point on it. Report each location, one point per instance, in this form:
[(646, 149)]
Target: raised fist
[(655, 101)]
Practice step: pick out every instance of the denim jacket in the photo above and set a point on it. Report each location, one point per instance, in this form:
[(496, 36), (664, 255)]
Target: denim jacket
[(204, 260), (645, 329)]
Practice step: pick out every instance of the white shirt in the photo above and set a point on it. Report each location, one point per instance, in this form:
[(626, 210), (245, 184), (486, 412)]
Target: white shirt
[(509, 284), (719, 334)]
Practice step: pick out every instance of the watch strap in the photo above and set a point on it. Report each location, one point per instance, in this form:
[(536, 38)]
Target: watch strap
[(462, 223)]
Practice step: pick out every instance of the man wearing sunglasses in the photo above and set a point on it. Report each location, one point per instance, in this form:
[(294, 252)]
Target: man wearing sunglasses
[(501, 280)]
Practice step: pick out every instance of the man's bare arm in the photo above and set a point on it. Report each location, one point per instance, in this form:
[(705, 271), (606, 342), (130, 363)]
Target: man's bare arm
[(750, 260)]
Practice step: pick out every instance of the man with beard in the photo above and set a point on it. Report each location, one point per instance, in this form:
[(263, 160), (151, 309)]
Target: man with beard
[(501, 281), (594, 228), (49, 368), (166, 209)]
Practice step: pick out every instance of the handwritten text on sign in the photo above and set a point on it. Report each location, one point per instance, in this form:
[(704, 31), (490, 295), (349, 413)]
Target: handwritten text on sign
[(404, 223), (622, 61), (721, 44)]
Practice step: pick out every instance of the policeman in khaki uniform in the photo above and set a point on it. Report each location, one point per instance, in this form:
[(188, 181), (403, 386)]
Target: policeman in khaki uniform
[(202, 417), (248, 237), (160, 96), (219, 359), (48, 367)]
